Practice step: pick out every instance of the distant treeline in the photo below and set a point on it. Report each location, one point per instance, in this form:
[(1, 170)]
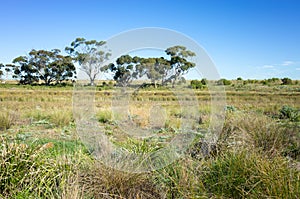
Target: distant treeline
[(54, 68)]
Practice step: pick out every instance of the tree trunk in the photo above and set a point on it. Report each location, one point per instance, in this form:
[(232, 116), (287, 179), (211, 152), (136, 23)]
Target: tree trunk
[(92, 82)]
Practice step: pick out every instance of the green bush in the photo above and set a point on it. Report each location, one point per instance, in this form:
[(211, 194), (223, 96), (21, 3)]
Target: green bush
[(204, 81), (197, 84), (286, 81), (287, 112), (223, 82)]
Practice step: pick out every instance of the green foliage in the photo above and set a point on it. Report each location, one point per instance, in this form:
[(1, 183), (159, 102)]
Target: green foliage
[(155, 69), (126, 69), (88, 55), (204, 81), (286, 81), (230, 108), (287, 112), (47, 66), (224, 82), (104, 116), (25, 171), (139, 146), (181, 179), (247, 174), (197, 84), (179, 62)]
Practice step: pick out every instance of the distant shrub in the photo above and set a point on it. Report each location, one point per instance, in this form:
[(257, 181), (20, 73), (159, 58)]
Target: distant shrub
[(197, 84), (273, 80), (264, 82), (224, 82), (204, 81), (239, 79), (286, 81), (251, 81)]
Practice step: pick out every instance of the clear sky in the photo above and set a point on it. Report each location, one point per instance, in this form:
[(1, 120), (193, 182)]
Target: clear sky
[(245, 38)]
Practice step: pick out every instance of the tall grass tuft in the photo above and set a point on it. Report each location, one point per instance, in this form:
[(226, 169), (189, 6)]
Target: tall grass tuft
[(6, 120), (246, 174), (100, 182), (61, 118), (27, 173), (258, 132)]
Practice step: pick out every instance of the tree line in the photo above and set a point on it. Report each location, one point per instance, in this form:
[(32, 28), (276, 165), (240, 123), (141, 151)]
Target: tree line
[(52, 67)]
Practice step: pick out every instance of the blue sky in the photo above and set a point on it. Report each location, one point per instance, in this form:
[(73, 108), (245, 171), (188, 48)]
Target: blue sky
[(246, 38)]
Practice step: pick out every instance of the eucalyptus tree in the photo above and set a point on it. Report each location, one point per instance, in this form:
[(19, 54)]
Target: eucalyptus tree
[(179, 62), (125, 70), (88, 55), (155, 69), (47, 66)]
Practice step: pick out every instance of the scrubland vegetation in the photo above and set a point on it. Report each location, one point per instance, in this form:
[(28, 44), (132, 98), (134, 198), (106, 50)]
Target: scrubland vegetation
[(256, 156)]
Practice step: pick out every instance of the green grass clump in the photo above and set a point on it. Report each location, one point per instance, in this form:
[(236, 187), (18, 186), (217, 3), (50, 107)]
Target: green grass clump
[(104, 116), (61, 118), (250, 175), (27, 172)]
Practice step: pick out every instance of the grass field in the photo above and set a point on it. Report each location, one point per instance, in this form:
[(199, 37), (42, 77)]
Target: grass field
[(257, 154)]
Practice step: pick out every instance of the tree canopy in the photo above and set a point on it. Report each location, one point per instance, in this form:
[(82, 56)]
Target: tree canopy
[(156, 69), (88, 55), (179, 62), (125, 70), (47, 66)]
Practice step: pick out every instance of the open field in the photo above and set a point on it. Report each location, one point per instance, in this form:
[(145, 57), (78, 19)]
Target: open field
[(256, 156)]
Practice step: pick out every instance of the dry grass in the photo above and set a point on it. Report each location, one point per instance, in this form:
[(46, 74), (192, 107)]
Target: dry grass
[(257, 154)]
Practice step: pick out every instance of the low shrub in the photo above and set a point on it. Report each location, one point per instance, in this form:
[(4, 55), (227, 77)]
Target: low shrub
[(224, 82), (286, 81), (197, 84), (287, 112)]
